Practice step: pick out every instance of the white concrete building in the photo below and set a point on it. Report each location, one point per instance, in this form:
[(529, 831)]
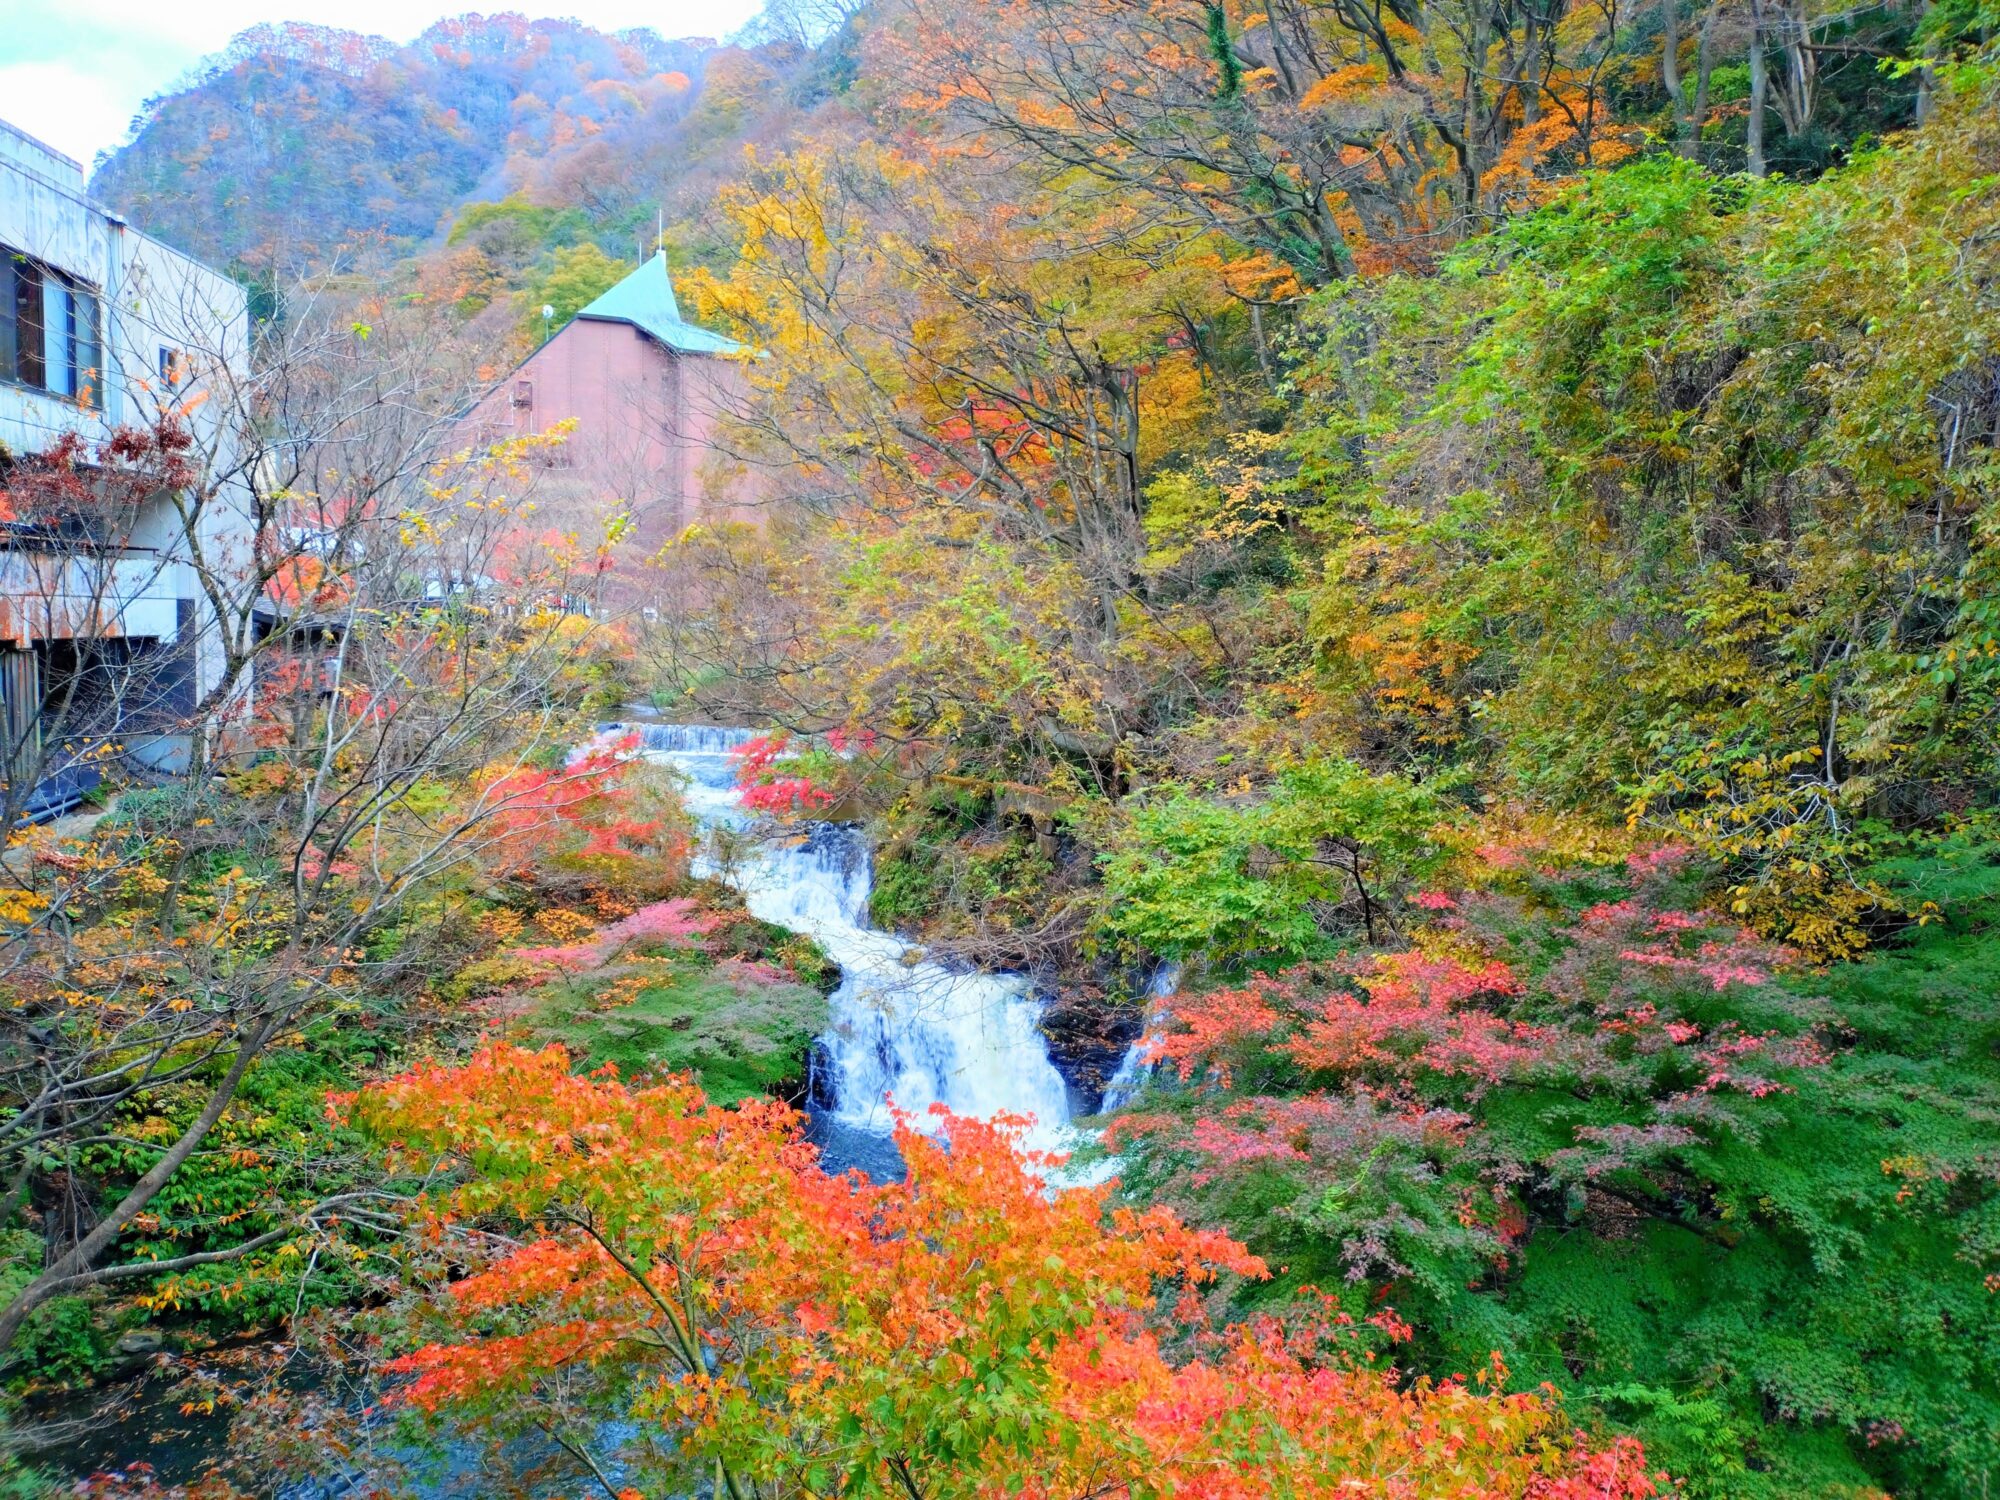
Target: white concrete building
[(102, 329)]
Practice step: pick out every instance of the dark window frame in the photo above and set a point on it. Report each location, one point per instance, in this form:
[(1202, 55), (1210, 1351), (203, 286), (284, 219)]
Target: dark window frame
[(25, 308)]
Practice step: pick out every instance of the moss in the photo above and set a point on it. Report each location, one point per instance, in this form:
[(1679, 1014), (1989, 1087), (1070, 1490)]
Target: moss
[(907, 886), (739, 1033), (953, 865)]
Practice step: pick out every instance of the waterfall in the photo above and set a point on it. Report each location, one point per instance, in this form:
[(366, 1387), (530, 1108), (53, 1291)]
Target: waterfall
[(1134, 1068), (1122, 1086), (903, 1029)]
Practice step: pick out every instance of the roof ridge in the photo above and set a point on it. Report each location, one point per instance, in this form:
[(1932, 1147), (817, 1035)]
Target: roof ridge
[(645, 299)]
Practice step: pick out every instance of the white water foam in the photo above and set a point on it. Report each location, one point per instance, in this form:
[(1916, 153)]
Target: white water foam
[(904, 1030), (1135, 1069)]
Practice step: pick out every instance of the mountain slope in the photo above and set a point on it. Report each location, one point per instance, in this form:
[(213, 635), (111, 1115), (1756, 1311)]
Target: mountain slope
[(299, 138)]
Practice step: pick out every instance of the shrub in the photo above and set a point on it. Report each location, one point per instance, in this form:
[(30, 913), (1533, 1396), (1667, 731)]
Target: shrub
[(1327, 852)]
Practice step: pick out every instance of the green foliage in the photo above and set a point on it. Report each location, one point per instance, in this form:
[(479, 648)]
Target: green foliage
[(149, 811), (514, 226), (906, 887), (1840, 1320), (1277, 879), (67, 1340), (1726, 552), (273, 1152), (576, 277), (64, 1341), (1729, 83), (740, 1032), (21, 1481), (1781, 1283), (486, 976), (1225, 515), (953, 865)]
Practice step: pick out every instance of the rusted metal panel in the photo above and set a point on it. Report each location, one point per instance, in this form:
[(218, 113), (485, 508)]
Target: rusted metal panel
[(20, 704), (48, 596)]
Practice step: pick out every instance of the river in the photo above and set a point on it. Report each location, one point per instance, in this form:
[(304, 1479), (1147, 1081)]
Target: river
[(905, 1033)]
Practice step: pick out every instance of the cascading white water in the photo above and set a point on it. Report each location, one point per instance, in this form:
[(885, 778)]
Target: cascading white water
[(904, 1030), (1134, 1068)]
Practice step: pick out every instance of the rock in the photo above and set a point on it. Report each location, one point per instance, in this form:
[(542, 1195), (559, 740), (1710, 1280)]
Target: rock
[(139, 1343), (1088, 1032)]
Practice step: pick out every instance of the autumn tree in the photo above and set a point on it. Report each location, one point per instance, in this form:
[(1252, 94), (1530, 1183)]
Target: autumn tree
[(1787, 483), (939, 378), (575, 278), (380, 599), (1322, 139), (769, 1329)]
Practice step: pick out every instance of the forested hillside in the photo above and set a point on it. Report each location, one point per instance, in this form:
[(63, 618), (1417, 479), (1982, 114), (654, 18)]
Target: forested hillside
[(300, 141), (1435, 565)]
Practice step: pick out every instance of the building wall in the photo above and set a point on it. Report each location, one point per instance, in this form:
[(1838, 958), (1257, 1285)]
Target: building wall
[(154, 301), (647, 429), (154, 297)]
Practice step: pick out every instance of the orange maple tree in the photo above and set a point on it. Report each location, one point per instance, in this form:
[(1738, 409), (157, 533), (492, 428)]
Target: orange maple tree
[(969, 1330)]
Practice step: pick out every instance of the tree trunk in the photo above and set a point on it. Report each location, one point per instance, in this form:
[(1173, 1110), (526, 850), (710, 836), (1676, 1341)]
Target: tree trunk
[(1263, 347), (1926, 84), (1531, 71), (1797, 83), (74, 1266), (1670, 69), (1703, 63), (1760, 90), (1472, 123)]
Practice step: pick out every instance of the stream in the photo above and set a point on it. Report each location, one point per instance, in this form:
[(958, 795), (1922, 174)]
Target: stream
[(905, 1033)]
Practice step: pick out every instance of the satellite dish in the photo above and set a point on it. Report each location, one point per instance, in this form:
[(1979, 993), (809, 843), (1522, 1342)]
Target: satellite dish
[(548, 311)]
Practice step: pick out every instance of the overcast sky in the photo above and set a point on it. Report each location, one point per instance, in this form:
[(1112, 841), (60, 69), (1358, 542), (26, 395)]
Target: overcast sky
[(73, 72)]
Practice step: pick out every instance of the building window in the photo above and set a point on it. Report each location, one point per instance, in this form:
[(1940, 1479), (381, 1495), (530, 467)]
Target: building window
[(30, 336), (51, 330), (73, 341), (174, 368)]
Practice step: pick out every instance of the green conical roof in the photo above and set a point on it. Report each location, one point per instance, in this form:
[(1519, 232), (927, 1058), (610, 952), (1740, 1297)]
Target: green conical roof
[(645, 299)]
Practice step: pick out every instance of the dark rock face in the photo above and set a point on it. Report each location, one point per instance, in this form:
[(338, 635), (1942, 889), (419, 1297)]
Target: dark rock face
[(1089, 1032)]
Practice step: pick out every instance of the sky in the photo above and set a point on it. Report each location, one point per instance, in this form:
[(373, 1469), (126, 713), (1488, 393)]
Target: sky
[(74, 72)]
